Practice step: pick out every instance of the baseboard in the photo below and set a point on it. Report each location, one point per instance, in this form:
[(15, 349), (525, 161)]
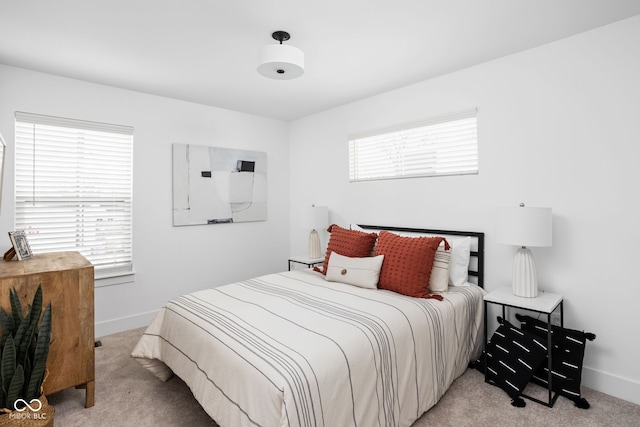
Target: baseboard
[(121, 324), (613, 385)]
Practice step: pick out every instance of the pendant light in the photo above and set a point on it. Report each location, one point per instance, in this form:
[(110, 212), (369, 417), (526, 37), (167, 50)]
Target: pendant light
[(279, 61)]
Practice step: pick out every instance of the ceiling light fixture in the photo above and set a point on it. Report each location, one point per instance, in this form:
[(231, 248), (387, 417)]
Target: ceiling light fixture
[(278, 61)]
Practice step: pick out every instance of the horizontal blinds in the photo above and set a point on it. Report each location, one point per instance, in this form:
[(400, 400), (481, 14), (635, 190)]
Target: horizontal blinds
[(73, 189), (444, 146)]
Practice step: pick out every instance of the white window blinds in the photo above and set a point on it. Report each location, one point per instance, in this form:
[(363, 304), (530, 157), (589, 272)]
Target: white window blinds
[(73, 189), (443, 146)]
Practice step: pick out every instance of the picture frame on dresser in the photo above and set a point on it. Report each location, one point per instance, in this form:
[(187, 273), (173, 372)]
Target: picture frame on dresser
[(20, 244)]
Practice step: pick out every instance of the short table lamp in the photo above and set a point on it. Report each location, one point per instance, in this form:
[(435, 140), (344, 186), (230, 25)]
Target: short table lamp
[(524, 226), (315, 218)]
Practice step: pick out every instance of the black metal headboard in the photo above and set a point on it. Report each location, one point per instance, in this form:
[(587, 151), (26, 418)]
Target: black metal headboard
[(476, 265)]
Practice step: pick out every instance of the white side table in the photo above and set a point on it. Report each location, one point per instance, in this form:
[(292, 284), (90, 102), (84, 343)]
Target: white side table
[(305, 260), (544, 303)]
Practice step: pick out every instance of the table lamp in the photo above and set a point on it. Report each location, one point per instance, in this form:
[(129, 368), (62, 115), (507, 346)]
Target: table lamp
[(524, 226), (315, 218)]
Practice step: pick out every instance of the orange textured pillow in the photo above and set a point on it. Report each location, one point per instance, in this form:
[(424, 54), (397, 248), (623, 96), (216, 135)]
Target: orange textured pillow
[(351, 243), (407, 263)]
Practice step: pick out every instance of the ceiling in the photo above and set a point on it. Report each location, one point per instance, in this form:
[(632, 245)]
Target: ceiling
[(205, 51)]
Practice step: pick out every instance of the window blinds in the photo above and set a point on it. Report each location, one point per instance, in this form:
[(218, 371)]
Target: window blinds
[(73, 189), (444, 146)]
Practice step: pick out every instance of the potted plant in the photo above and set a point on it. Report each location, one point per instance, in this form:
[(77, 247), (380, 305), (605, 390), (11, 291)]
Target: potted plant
[(24, 348)]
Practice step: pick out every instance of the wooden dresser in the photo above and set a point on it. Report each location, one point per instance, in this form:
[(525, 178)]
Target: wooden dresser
[(67, 282)]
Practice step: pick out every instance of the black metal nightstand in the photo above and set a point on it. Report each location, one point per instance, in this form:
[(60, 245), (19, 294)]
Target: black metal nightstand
[(305, 260), (544, 303)]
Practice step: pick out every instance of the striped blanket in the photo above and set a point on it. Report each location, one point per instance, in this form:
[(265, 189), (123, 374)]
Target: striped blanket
[(292, 349)]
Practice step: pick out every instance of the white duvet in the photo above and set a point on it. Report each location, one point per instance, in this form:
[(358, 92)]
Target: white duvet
[(292, 349)]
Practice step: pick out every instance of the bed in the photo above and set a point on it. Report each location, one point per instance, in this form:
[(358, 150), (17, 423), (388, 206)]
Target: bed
[(294, 349)]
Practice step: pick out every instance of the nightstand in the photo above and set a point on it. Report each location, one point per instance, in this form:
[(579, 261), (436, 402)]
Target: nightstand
[(544, 303), (305, 260)]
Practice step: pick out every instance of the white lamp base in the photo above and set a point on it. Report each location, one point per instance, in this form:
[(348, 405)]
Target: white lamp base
[(314, 245), (525, 280)]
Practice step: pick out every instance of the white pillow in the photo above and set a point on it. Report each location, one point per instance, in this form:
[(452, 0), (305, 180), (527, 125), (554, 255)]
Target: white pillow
[(460, 257), (362, 272), (439, 281)]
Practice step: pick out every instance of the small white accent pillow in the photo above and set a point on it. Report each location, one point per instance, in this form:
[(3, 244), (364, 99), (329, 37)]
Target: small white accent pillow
[(362, 272), (439, 281), (460, 257)]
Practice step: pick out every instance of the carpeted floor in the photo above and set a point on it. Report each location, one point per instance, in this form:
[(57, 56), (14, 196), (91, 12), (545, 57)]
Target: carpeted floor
[(129, 395)]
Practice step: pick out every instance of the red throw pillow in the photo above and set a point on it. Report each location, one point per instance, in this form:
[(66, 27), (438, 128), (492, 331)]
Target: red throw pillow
[(407, 263), (351, 243)]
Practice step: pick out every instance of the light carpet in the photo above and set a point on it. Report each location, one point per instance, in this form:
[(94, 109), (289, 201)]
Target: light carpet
[(128, 395)]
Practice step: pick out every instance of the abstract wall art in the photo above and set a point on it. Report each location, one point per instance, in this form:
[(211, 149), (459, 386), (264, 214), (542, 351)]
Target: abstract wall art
[(218, 185)]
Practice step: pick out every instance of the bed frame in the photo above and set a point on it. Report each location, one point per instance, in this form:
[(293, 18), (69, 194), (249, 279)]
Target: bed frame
[(476, 265)]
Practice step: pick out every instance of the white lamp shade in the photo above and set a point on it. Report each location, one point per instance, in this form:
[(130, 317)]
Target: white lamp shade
[(524, 226), (315, 217), (282, 62)]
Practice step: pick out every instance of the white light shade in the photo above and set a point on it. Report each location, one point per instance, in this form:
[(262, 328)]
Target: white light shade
[(282, 62), (524, 226), (315, 217)]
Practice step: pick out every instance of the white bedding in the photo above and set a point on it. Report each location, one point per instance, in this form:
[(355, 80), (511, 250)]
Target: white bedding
[(292, 349)]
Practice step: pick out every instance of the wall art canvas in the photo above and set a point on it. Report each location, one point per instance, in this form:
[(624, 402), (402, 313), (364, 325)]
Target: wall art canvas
[(218, 185)]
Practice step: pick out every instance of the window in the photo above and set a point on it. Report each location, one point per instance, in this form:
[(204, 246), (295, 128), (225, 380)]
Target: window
[(443, 146), (73, 189)]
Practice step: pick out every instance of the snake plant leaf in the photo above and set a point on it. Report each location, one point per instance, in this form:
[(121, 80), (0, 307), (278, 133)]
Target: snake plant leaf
[(16, 307), (27, 375), (32, 318), (33, 389), (8, 364), (36, 306), (6, 323), (15, 387), (21, 329), (42, 350)]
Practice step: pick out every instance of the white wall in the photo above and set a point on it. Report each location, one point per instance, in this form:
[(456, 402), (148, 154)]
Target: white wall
[(168, 260), (558, 127)]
